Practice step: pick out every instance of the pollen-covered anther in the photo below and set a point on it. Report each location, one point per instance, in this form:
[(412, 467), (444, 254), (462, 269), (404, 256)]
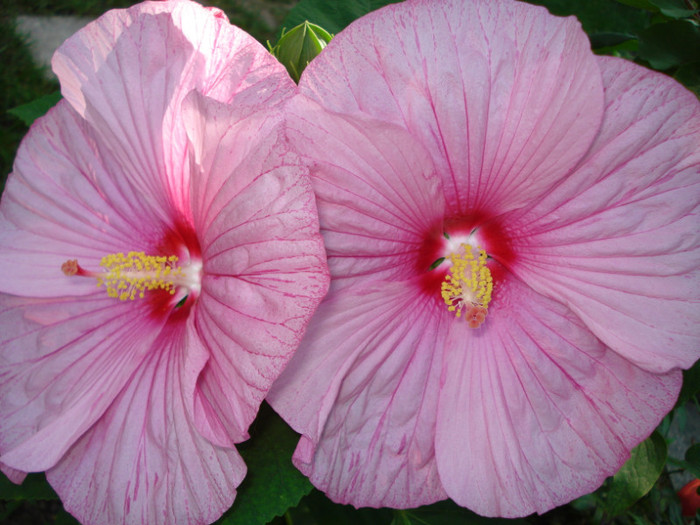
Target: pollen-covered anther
[(129, 276), (468, 286)]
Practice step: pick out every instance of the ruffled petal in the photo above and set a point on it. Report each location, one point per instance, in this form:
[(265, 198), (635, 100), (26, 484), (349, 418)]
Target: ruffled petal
[(264, 263), (376, 188), (619, 240), (127, 73), (506, 109), (146, 451), (362, 390), (66, 199), (535, 411), (62, 362)]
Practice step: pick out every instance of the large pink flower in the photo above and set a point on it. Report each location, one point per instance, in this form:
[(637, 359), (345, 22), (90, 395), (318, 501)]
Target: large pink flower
[(169, 149), (475, 158)]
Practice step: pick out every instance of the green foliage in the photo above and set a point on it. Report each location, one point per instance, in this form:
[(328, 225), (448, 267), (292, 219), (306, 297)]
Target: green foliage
[(638, 475), (31, 111), (272, 484), (691, 462), (670, 8), (603, 40), (21, 82), (673, 8), (640, 4), (689, 76), (599, 16), (332, 16), (692, 457), (662, 34), (446, 513), (317, 509), (670, 44), (691, 384), (32, 488)]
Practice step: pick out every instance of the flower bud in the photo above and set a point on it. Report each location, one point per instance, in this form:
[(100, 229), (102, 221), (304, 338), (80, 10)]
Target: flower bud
[(299, 46)]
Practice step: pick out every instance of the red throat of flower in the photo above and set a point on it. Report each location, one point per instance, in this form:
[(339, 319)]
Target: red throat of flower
[(462, 260), (163, 279)]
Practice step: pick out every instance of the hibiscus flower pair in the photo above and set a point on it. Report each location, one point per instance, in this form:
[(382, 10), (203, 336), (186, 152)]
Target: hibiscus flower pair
[(511, 231)]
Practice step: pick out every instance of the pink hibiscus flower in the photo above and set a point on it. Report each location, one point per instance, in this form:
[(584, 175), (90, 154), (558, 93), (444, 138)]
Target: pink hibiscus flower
[(511, 225), (164, 188)]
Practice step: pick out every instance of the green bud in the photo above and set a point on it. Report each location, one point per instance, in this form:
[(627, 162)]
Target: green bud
[(299, 46)]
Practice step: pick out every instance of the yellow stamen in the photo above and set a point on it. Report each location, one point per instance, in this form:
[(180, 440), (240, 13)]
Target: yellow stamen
[(129, 276), (468, 285)]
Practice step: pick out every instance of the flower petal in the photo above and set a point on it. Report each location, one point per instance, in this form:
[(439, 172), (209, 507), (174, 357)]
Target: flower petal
[(619, 241), (65, 201), (535, 411), (145, 448), (505, 109), (362, 389), (15, 476), (264, 262), (376, 189), (62, 362), (127, 73)]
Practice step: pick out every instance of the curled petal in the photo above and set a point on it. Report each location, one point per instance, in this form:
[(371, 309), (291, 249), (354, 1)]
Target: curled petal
[(264, 262), (128, 72)]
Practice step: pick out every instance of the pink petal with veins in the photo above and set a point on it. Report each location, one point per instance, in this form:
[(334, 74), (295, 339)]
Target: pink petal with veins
[(264, 265), (171, 143), (505, 108), (491, 124), (363, 389), (534, 410), (154, 467), (618, 240)]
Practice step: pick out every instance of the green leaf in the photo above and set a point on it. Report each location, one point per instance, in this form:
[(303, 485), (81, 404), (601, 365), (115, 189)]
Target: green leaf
[(691, 377), (670, 44), (673, 8), (691, 462), (317, 509), (638, 475), (692, 458), (627, 49), (31, 111), (273, 484), (690, 467), (599, 16), (670, 8), (640, 4), (599, 40), (33, 487), (446, 513), (332, 15)]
